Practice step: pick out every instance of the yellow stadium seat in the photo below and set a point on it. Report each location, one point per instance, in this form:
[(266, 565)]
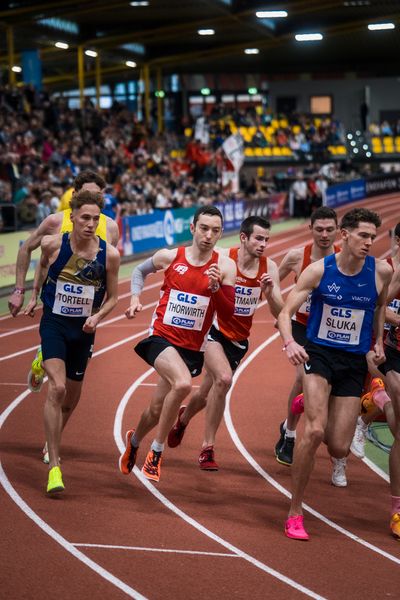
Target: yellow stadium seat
[(188, 132), (296, 129), (274, 124), (258, 151), (283, 123), (276, 151), (248, 152), (267, 151)]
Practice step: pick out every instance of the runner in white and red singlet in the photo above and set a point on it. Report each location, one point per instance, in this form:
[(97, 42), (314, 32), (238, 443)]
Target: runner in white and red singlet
[(323, 228), (228, 337), (198, 281)]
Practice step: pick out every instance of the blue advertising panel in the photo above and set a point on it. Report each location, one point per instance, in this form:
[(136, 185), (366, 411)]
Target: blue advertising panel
[(233, 213), (343, 193), (143, 233)]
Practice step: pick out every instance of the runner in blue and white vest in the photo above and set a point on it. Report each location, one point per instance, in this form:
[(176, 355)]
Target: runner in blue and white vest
[(348, 301)]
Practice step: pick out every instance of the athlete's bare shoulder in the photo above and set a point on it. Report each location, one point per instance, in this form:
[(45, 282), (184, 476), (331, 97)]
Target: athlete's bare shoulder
[(222, 251), (112, 231), (291, 262), (50, 243), (51, 224), (164, 257), (384, 270)]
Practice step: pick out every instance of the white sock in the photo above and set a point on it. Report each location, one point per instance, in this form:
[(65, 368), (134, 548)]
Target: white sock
[(290, 434), (157, 447)]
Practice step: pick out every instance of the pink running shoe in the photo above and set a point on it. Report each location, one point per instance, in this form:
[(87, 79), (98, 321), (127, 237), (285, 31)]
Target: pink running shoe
[(294, 528), (297, 407)]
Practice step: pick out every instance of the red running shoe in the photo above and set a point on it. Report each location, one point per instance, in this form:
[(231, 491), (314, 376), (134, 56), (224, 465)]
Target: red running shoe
[(128, 458), (294, 528), (297, 407), (376, 384), (206, 459), (176, 434)]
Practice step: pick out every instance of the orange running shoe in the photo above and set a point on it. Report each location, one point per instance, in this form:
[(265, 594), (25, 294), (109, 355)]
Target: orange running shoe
[(128, 458), (367, 404), (152, 465), (376, 384), (395, 525)]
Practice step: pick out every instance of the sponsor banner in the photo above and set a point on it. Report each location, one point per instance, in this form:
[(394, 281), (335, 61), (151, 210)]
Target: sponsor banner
[(343, 193), (233, 147), (9, 246), (382, 184), (159, 229), (32, 68), (273, 208), (233, 213)]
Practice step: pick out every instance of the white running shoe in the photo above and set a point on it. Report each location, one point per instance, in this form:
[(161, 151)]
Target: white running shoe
[(339, 472), (360, 435)]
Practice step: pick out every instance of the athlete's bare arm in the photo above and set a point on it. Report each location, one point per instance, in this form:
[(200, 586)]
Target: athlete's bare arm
[(112, 232), (271, 289), (307, 282), (50, 226), (50, 247), (383, 277), (112, 267), (291, 263), (160, 260)]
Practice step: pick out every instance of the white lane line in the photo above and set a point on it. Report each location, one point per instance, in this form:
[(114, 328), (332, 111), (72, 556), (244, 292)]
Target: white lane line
[(6, 383), (376, 469), (177, 511), (250, 459), (63, 542), (167, 550)]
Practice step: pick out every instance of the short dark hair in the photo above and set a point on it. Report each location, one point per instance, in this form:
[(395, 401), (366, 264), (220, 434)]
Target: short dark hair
[(353, 218), (397, 230), (88, 177), (85, 197), (213, 211), (247, 226), (323, 212)]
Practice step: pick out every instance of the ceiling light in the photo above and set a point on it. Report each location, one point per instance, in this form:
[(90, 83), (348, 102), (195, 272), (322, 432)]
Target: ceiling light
[(251, 51), (205, 91), (16, 69), (206, 31), (309, 37), (91, 53), (140, 3), (380, 26), (271, 14), (62, 45), (252, 91), (130, 63)]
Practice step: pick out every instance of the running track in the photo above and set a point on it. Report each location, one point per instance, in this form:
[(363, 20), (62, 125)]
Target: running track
[(196, 534)]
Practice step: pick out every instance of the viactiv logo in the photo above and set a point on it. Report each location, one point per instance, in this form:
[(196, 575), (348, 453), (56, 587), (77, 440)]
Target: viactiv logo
[(169, 228)]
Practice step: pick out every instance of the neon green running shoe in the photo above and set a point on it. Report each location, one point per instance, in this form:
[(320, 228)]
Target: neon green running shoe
[(55, 482), (37, 373)]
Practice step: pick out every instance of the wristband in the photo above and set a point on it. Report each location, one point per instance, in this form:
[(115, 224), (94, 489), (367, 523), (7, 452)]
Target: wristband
[(19, 290), (287, 344)]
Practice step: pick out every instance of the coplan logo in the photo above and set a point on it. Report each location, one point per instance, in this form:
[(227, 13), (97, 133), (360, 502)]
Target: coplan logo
[(66, 310), (180, 268), (181, 322)]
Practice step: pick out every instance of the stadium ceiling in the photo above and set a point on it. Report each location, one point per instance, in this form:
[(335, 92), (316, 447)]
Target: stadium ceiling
[(163, 34)]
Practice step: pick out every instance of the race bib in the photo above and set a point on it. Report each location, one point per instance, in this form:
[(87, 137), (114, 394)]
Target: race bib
[(394, 306), (186, 310), (246, 300), (305, 307), (341, 325), (73, 300)]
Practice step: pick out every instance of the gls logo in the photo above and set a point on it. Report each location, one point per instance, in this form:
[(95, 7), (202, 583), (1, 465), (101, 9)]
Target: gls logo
[(344, 313), (74, 289), (188, 298), (180, 268), (242, 291), (333, 287)]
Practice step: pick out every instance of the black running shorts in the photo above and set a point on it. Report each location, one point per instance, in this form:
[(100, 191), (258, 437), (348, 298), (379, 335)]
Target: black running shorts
[(345, 371), (151, 347), (392, 362), (63, 338), (234, 351), (299, 332)]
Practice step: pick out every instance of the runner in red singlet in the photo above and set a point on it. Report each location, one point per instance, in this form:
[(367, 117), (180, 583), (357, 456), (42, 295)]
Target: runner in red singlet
[(198, 281), (228, 337), (323, 230)]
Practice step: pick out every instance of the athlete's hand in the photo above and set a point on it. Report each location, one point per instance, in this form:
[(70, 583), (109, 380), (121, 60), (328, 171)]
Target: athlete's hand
[(90, 324), (266, 284), (214, 277), (379, 354), (15, 302), (30, 307), (296, 353), (134, 308)]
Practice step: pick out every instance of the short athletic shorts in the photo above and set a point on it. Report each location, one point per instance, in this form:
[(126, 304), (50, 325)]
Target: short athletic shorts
[(344, 371), (234, 351), (299, 332), (63, 338), (151, 347), (392, 362)]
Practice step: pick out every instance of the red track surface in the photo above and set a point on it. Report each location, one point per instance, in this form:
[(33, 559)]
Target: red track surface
[(197, 534)]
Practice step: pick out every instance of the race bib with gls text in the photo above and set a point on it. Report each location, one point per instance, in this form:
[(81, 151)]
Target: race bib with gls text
[(73, 300)]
